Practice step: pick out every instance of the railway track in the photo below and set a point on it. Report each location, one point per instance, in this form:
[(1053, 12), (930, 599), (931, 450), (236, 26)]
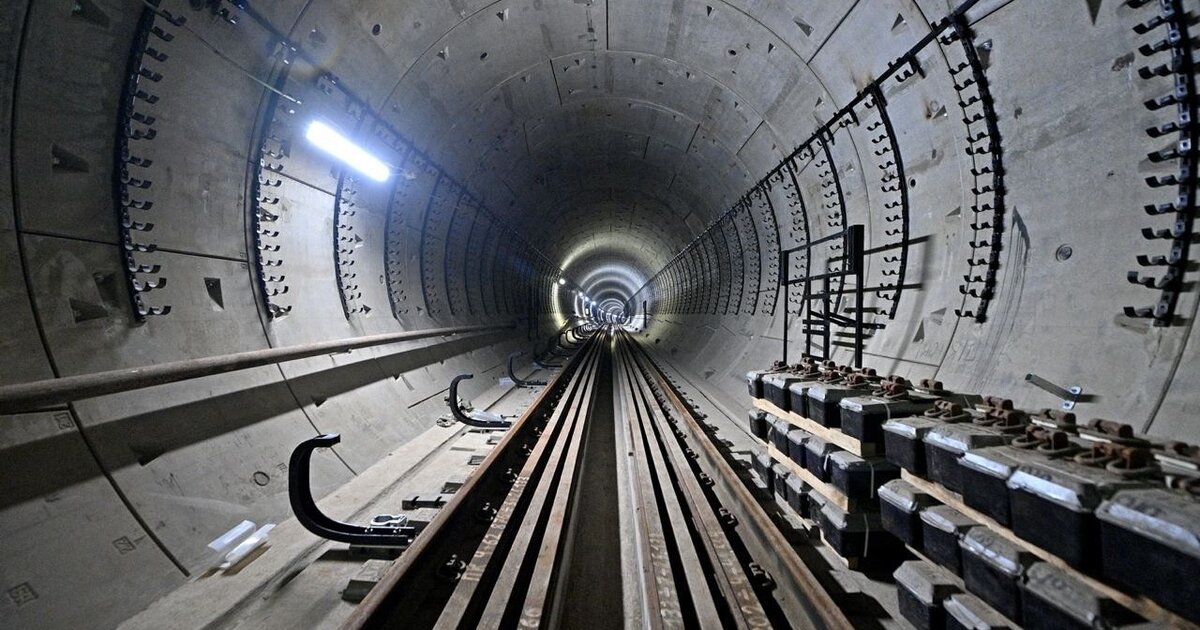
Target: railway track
[(537, 539)]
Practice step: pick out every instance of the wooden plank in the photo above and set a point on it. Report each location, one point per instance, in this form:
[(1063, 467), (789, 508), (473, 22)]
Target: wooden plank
[(833, 436), (851, 563), (831, 493), (1138, 603)]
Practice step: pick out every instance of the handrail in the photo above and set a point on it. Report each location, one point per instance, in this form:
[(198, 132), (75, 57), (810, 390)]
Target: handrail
[(25, 397)]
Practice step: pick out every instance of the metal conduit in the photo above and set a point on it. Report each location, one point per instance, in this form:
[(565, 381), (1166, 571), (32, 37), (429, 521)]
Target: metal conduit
[(25, 397)]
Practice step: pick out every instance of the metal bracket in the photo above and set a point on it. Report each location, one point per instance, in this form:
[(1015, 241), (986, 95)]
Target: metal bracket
[(315, 521), (456, 410), (1070, 396), (553, 349), (571, 343), (540, 359), (513, 375)]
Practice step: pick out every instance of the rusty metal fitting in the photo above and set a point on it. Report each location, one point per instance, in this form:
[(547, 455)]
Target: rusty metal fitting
[(1065, 417), (452, 569), (806, 368), (1055, 419), (943, 409), (759, 576), (1131, 461), (1183, 450), (990, 417), (1100, 454), (1033, 437), (1047, 441), (1057, 442), (1007, 418), (931, 385), (1111, 427), (855, 379), (486, 514), (996, 402), (893, 389)]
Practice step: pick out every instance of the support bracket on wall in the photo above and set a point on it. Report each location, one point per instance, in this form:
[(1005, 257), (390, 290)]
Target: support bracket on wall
[(1069, 396), (513, 375), (315, 521), (476, 418)]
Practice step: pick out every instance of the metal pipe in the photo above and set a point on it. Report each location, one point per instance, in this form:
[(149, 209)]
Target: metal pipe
[(38, 394)]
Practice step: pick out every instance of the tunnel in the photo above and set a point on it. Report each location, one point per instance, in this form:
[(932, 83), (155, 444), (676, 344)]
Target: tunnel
[(233, 226)]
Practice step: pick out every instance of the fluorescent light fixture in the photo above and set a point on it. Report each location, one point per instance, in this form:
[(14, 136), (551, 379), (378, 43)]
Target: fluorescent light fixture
[(340, 147)]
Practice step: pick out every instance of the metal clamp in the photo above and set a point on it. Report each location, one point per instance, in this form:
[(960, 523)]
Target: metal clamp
[(457, 412), (315, 521), (512, 375), (541, 359), (571, 344)]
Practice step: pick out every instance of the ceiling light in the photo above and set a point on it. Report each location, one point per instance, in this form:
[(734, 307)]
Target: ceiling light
[(562, 281), (340, 147)]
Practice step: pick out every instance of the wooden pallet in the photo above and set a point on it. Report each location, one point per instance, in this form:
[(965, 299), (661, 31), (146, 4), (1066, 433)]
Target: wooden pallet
[(850, 563), (832, 494), (833, 436)]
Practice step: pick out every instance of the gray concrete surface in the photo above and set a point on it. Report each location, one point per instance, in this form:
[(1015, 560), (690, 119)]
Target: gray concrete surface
[(607, 134)]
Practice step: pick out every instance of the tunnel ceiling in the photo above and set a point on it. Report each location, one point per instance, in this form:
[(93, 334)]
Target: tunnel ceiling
[(609, 133)]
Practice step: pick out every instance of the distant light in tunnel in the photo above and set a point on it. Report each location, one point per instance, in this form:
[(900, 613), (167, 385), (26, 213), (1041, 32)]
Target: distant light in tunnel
[(340, 147), (562, 281)]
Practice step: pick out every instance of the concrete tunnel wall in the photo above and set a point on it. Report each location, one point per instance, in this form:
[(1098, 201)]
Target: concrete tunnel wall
[(530, 140)]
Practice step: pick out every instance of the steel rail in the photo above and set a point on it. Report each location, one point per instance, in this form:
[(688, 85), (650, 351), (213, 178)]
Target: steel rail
[(660, 582), (726, 570), (524, 506), (510, 568), (801, 596), (556, 522), (696, 536), (537, 524), (24, 397), (414, 591)]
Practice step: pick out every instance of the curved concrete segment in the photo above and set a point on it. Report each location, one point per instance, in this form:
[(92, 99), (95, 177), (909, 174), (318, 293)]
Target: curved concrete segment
[(548, 160)]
